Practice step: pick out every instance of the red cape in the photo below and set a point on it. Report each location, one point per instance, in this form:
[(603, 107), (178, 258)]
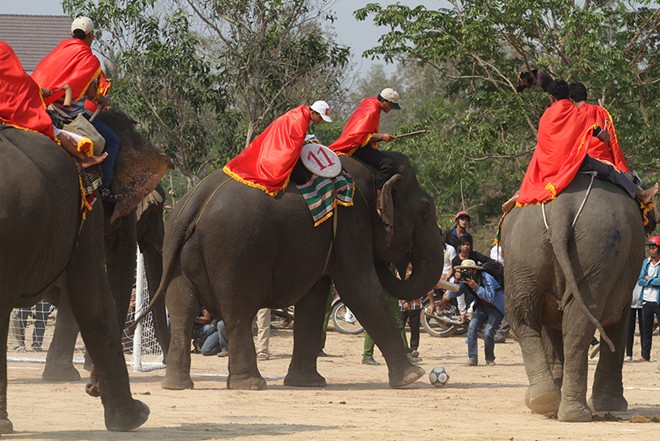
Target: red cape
[(563, 139), (268, 161), (71, 62), (610, 152), (21, 104), (358, 129)]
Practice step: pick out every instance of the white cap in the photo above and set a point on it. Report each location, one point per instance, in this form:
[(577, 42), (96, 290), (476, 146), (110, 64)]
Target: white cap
[(85, 24), (392, 96), (323, 109)]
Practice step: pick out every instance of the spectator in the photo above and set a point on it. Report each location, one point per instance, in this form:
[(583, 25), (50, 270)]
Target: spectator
[(489, 309), (447, 273), (39, 313), (459, 229), (635, 315), (502, 332), (217, 342), (202, 329), (466, 252), (649, 280), (263, 334)]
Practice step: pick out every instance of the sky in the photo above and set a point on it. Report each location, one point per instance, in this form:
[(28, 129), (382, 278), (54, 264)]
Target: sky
[(358, 35)]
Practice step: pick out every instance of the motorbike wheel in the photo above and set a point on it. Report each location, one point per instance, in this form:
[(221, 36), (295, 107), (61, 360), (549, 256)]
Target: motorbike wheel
[(344, 321), (435, 326), (281, 318)]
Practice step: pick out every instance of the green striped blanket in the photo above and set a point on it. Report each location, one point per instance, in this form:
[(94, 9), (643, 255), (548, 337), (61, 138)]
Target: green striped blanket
[(323, 194)]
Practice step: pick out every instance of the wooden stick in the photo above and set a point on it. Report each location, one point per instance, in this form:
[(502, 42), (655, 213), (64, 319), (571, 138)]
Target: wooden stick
[(417, 132)]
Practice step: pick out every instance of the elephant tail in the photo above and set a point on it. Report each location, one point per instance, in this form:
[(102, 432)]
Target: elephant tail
[(180, 237), (561, 253)]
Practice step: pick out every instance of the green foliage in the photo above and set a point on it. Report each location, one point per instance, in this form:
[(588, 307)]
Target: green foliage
[(483, 132)]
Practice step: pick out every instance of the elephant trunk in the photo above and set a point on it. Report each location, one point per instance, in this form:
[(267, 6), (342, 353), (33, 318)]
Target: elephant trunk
[(427, 261)]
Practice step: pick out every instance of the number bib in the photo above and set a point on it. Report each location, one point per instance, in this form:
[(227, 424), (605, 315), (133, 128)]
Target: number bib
[(320, 160)]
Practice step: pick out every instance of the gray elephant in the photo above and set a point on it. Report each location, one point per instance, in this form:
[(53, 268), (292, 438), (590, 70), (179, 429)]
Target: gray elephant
[(44, 242), (235, 250), (123, 233), (570, 267)]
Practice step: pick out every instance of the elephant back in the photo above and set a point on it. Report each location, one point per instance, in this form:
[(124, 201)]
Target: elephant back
[(39, 210)]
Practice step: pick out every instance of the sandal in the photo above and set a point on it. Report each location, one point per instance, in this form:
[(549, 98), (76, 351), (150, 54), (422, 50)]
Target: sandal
[(108, 196)]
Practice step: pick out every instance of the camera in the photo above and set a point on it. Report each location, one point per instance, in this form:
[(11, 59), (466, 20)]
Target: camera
[(464, 274)]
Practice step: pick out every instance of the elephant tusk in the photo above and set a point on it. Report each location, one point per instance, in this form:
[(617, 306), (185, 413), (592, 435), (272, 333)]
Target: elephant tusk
[(443, 284)]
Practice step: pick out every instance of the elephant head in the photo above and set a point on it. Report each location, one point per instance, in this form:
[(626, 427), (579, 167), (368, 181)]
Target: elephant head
[(407, 233)]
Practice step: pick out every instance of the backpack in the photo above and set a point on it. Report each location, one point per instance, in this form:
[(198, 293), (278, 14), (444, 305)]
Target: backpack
[(496, 270)]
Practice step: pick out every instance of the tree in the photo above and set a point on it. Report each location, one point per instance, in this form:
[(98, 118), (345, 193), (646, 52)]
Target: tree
[(477, 47)]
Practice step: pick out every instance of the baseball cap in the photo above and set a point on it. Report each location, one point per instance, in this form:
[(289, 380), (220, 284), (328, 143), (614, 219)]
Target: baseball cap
[(655, 240), (85, 24), (461, 214), (323, 109), (392, 96)]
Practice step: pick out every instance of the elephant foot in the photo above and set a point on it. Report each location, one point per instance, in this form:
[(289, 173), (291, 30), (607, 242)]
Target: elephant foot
[(601, 402), (6, 426), (238, 382), (298, 379), (68, 373), (127, 419), (544, 402), (406, 376), (574, 412), (176, 381)]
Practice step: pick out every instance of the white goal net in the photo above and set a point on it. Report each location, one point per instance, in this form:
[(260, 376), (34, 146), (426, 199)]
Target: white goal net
[(31, 331)]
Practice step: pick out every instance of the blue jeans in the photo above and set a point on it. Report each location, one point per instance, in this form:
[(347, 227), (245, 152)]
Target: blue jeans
[(217, 341), (111, 148), (492, 317)]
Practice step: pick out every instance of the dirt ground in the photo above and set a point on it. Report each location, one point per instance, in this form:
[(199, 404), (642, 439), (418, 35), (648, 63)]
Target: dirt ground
[(484, 403)]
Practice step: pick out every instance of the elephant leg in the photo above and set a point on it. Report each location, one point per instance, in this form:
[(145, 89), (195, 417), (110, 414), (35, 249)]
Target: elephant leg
[(554, 352), (5, 424), (59, 361), (607, 391), (307, 337), (243, 371), (92, 305), (183, 307), (578, 332), (364, 295)]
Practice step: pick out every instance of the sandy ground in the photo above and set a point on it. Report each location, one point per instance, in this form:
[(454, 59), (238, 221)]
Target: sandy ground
[(484, 403)]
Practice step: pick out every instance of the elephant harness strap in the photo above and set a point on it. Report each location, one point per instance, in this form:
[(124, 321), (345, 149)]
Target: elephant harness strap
[(584, 201)]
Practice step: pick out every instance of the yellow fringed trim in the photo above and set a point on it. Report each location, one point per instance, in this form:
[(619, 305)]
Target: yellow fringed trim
[(85, 146), (94, 77), (84, 205), (324, 218), (233, 175), (646, 208)]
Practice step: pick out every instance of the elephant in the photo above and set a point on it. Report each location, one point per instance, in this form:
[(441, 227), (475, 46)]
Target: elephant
[(143, 227), (234, 249), (564, 280), (45, 241)]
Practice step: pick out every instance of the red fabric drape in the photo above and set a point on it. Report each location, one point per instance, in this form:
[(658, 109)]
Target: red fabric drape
[(71, 62), (563, 139), (610, 152), (268, 161), (21, 104), (358, 129)]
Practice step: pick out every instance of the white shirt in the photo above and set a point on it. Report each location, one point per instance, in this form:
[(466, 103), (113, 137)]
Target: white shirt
[(496, 254), (450, 253)]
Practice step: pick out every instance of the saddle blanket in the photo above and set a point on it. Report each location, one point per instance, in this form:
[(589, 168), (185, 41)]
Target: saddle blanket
[(324, 194)]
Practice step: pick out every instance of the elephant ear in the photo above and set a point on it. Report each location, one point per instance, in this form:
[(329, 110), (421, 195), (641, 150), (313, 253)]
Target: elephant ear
[(385, 206)]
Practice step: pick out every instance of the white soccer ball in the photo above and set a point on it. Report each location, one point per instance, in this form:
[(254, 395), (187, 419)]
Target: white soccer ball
[(438, 376)]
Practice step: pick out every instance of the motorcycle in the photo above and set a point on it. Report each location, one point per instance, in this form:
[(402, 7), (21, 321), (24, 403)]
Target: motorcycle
[(445, 320), (343, 319)]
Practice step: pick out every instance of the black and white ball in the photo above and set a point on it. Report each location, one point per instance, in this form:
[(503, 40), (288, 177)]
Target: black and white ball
[(438, 376)]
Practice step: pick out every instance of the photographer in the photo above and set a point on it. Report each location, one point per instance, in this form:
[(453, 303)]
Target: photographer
[(488, 309)]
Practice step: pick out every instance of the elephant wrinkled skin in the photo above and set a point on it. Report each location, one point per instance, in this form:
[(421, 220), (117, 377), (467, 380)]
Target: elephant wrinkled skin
[(235, 250), (39, 224), (565, 282)]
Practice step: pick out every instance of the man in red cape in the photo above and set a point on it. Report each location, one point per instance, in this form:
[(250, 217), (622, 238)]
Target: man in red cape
[(72, 63), (360, 136), (565, 143), (268, 161), (21, 104)]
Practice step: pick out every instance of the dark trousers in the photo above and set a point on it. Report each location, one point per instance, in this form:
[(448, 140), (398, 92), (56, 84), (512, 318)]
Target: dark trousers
[(413, 319), (635, 316), (378, 159), (608, 173), (649, 310), (111, 148)]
